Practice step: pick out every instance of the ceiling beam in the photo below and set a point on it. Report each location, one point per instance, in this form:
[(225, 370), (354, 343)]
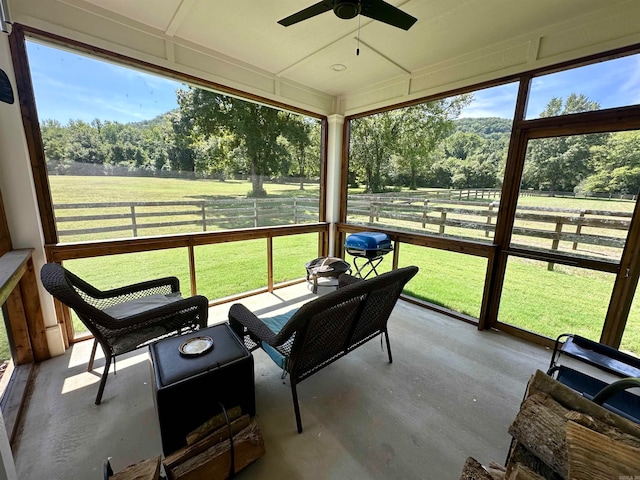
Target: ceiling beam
[(181, 13)]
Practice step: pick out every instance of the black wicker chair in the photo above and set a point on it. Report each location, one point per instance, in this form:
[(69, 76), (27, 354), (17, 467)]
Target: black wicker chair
[(325, 329), (126, 318)]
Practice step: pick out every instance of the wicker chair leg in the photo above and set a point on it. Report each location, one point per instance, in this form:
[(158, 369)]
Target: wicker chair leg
[(296, 407), (103, 380), (93, 355), (386, 336)]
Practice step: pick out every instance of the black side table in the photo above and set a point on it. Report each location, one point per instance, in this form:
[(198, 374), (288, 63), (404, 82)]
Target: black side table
[(187, 389)]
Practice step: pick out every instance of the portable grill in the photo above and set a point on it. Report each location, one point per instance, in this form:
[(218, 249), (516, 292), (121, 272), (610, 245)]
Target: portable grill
[(368, 248)]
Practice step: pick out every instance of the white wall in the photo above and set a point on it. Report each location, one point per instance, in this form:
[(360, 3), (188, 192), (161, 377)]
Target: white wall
[(18, 194), (9, 150)]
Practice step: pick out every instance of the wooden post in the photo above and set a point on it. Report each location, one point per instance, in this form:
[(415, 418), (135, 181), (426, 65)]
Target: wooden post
[(486, 232), (255, 213), (295, 211), (371, 211), (556, 240), (134, 225), (270, 264), (578, 230), (192, 270), (443, 219), (425, 213), (204, 216)]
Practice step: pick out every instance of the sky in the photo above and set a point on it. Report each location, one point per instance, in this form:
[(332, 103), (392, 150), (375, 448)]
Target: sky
[(69, 86)]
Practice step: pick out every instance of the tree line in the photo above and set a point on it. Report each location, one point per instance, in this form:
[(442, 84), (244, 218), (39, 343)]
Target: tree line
[(212, 135)]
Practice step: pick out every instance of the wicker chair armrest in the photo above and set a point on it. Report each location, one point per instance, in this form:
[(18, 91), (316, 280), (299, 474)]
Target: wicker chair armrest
[(158, 315), (256, 327), (172, 282), (346, 279)]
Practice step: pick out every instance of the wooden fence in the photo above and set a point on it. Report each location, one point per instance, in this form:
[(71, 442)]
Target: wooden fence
[(477, 219), (136, 217)]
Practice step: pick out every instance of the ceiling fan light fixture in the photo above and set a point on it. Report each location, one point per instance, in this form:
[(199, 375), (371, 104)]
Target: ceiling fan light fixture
[(346, 10)]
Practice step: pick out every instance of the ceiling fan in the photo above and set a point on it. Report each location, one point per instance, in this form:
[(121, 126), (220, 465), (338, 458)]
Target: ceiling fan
[(375, 9)]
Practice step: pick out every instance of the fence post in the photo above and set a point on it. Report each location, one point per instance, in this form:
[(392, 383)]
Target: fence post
[(556, 240), (371, 211), (255, 213), (425, 213), (578, 230), (134, 224), (486, 232), (295, 211), (204, 216), (443, 219)]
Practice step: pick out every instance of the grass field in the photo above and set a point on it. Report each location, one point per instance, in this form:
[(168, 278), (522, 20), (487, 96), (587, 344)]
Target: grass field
[(566, 299)]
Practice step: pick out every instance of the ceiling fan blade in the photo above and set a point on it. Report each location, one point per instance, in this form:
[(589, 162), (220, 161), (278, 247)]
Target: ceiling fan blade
[(387, 13), (308, 12)]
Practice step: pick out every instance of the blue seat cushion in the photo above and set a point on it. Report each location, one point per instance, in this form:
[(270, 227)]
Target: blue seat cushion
[(275, 324)]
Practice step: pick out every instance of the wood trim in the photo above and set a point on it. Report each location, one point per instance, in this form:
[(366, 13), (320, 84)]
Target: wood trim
[(526, 335), (625, 286), (589, 263), (439, 309), (18, 329), (193, 278), (13, 265), (597, 121), (32, 132), (467, 247), (270, 264), (17, 283), (506, 214), (71, 251), (33, 314)]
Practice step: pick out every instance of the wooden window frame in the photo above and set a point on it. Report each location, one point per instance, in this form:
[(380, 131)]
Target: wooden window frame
[(627, 270)]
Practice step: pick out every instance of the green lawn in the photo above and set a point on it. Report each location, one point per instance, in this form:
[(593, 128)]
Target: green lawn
[(566, 299)]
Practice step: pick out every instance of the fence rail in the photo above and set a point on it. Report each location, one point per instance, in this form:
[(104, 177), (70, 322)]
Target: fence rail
[(227, 213), (450, 213), (473, 218)]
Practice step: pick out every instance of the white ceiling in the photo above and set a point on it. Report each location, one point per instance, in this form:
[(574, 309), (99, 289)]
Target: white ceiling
[(510, 34)]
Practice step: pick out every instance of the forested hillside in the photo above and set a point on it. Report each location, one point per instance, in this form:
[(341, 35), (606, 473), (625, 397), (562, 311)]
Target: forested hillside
[(427, 145)]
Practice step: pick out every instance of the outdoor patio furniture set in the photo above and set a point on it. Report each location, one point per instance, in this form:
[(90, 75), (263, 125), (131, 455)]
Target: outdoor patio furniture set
[(190, 386)]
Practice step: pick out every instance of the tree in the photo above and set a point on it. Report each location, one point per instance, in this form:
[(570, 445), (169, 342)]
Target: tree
[(616, 164), (408, 135), (372, 144), (561, 163), (257, 128), (85, 145), (421, 128), (54, 141), (302, 135)]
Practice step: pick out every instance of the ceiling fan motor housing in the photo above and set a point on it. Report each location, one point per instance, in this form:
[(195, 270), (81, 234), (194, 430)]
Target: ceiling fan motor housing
[(346, 9)]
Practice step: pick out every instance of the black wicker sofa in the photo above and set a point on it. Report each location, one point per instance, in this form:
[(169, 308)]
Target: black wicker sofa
[(304, 341)]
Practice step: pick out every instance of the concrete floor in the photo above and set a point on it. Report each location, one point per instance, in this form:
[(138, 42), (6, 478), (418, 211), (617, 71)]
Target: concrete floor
[(451, 393)]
